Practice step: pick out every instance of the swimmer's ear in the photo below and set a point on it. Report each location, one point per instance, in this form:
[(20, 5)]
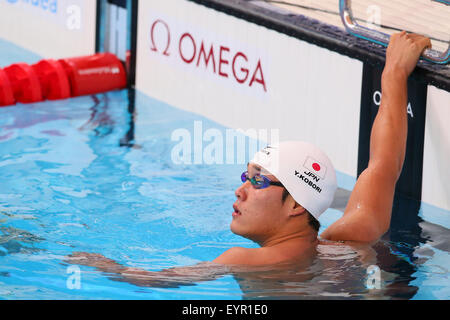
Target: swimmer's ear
[(297, 210)]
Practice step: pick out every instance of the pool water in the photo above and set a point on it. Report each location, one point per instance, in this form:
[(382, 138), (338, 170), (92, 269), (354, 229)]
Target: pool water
[(96, 174)]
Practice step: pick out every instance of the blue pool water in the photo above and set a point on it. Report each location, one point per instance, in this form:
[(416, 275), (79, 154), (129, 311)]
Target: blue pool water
[(96, 174)]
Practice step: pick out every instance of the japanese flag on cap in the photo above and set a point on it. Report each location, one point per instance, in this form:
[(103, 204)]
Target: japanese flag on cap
[(305, 171), (315, 166)]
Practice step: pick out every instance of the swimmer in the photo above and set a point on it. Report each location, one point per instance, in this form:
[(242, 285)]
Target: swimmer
[(287, 187)]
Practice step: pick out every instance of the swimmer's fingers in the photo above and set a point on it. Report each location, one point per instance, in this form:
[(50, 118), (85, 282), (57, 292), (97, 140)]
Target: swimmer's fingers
[(81, 258), (84, 255), (413, 40), (89, 259), (404, 51), (421, 41)]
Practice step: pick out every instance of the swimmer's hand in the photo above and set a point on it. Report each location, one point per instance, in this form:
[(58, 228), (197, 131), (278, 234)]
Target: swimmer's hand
[(94, 260), (404, 51)]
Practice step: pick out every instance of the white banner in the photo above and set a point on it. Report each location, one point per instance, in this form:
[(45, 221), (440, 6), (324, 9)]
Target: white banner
[(436, 154), (50, 28)]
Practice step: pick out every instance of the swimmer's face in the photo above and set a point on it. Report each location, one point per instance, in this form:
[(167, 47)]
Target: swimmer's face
[(258, 213)]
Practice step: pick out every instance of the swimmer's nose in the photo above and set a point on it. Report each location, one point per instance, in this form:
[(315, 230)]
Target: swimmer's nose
[(241, 192)]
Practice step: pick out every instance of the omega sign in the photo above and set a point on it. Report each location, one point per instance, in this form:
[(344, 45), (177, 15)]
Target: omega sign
[(215, 58)]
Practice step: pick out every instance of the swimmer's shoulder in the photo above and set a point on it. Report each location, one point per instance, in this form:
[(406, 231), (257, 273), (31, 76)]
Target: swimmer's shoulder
[(260, 256), (239, 255)]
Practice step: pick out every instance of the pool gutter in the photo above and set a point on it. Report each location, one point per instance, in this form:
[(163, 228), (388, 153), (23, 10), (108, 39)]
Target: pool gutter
[(325, 36)]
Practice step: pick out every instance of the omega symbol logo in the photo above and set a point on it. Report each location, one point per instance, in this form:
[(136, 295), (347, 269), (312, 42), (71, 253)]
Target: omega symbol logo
[(154, 47)]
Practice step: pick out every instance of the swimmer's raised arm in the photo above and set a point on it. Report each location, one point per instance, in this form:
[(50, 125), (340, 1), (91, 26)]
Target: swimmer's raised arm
[(368, 212)]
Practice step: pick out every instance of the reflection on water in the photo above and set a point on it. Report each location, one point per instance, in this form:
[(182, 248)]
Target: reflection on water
[(100, 121), (13, 240)]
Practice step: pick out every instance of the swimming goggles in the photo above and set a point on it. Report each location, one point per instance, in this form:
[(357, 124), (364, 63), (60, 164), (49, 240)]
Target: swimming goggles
[(259, 181)]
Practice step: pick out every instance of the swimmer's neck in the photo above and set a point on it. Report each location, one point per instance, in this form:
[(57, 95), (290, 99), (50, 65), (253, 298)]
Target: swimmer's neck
[(306, 237)]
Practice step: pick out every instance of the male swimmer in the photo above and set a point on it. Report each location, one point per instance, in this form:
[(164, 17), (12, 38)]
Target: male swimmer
[(287, 187)]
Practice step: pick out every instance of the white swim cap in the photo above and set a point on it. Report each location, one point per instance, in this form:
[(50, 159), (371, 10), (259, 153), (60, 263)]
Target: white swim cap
[(305, 171)]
